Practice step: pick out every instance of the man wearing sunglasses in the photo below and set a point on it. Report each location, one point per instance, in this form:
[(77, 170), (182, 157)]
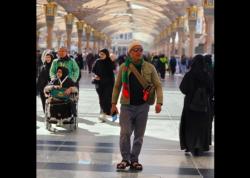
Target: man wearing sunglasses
[(134, 108)]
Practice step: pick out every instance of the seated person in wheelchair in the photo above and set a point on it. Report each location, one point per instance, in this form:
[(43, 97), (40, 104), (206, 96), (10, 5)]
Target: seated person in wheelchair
[(61, 88)]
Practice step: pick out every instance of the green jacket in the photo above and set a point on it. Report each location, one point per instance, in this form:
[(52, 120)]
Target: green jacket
[(164, 60), (148, 71), (70, 64)]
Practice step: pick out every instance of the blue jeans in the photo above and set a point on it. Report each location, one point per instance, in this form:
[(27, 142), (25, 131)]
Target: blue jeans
[(183, 69), (132, 119)]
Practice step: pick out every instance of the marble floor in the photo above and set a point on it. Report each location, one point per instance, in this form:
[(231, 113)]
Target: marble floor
[(92, 151)]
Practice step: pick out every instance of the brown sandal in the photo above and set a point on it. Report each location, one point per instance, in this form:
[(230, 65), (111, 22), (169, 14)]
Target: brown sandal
[(123, 164), (136, 166)]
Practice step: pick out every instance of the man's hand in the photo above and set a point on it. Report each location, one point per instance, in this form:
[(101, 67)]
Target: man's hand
[(158, 108), (114, 109), (97, 77)]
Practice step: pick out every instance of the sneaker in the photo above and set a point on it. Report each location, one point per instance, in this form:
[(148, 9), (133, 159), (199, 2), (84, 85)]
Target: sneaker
[(102, 117), (114, 118)]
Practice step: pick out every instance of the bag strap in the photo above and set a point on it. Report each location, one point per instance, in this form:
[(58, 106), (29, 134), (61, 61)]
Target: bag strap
[(142, 81)]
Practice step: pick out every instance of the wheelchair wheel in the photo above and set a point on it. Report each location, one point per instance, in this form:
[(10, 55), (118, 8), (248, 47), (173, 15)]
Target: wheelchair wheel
[(75, 123), (48, 126), (46, 118), (75, 118)]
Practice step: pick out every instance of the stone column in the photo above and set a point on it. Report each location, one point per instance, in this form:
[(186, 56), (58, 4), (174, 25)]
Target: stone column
[(173, 35), (164, 42), (79, 26), (185, 39), (180, 42), (98, 41), (191, 43), (59, 38), (102, 41), (65, 41), (168, 36), (109, 43), (50, 12), (156, 45), (163, 46), (168, 46), (87, 33), (192, 18), (69, 20), (161, 43), (95, 39), (180, 30), (209, 20)]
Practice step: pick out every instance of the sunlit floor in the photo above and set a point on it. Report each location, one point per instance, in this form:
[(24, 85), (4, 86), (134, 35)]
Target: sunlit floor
[(92, 151)]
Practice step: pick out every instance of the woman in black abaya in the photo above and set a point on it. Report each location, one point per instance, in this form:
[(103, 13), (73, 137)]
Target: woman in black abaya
[(195, 123)]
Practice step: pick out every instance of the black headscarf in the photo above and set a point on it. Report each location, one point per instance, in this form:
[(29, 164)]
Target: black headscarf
[(107, 62), (104, 68), (65, 72), (199, 68), (199, 63), (105, 51)]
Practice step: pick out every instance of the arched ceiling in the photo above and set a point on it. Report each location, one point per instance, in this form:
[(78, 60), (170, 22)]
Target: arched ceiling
[(145, 18)]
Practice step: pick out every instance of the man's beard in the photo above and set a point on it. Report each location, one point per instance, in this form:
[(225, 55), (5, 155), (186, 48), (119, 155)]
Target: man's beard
[(65, 57)]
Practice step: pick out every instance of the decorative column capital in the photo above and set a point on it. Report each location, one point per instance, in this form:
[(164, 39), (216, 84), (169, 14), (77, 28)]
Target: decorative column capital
[(192, 13), (50, 12), (88, 29), (161, 36), (96, 34), (208, 7), (80, 26), (192, 17), (173, 27), (69, 20), (168, 31), (164, 33), (208, 4), (101, 35), (180, 23)]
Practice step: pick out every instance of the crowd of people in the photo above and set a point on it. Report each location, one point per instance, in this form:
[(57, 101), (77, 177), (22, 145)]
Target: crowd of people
[(138, 79)]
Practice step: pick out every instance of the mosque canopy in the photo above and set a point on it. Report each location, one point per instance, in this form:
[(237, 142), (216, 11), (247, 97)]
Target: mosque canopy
[(145, 18)]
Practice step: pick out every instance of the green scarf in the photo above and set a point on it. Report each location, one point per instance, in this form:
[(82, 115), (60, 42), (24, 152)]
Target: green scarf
[(125, 90)]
